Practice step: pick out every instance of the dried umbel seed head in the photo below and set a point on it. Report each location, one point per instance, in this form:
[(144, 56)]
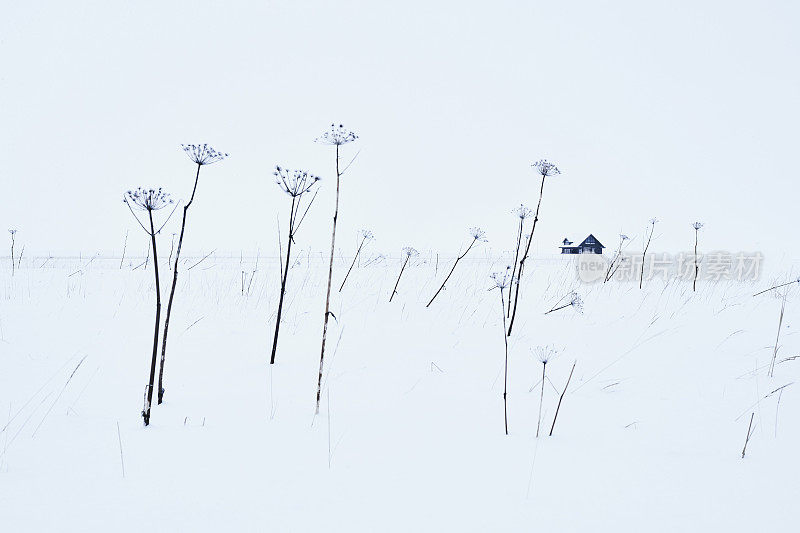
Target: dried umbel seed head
[(410, 252), (522, 212), (576, 302), (12, 231), (623, 237), (294, 182), (653, 221), (545, 353), (502, 279), (147, 199), (546, 168), (203, 154), (697, 226), (337, 136), (366, 235), (782, 293), (478, 234)]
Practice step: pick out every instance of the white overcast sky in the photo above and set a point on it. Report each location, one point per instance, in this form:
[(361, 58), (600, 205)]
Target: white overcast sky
[(678, 110)]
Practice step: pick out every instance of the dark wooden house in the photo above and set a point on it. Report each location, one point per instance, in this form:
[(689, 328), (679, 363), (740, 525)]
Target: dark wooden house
[(590, 245)]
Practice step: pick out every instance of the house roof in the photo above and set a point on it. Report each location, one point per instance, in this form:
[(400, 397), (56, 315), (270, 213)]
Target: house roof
[(583, 243), (596, 242)]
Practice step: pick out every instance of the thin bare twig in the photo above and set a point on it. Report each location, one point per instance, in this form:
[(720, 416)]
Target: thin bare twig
[(561, 398), (778, 286), (749, 433), (203, 259), (121, 457), (59, 395)]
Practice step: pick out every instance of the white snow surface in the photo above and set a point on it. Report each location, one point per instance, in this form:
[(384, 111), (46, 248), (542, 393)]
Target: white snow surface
[(410, 432)]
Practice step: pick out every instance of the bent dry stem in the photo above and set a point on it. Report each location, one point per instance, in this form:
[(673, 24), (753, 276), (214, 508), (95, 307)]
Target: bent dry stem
[(283, 283), (328, 292), (505, 365), (394, 290), (150, 200), (477, 235), (295, 183), (561, 398), (200, 154), (501, 281), (365, 236), (172, 289), (455, 264), (516, 258), (541, 399), (337, 136), (653, 222), (409, 252), (283, 291), (696, 226), (149, 394), (521, 268)]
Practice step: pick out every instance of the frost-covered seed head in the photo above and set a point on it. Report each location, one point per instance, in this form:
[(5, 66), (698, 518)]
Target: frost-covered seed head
[(410, 252), (203, 154), (295, 183), (502, 279), (697, 226), (337, 136), (546, 168), (522, 212), (653, 221), (147, 199), (623, 237), (576, 302), (12, 231), (366, 235), (545, 353), (478, 234)]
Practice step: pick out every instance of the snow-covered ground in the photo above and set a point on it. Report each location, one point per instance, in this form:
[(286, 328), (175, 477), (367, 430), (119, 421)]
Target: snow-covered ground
[(410, 433)]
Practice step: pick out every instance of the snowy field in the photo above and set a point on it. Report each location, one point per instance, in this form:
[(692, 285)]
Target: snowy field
[(410, 433)]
